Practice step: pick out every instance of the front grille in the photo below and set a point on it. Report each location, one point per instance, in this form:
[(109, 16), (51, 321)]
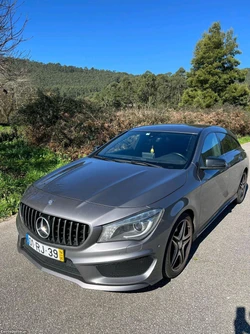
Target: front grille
[(62, 231)]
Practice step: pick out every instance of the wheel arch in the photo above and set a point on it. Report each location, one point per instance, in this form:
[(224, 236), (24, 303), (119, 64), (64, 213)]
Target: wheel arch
[(192, 215), (245, 170)]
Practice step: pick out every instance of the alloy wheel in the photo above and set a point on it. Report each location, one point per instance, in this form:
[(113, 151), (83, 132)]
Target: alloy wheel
[(179, 246), (181, 242), (242, 188)]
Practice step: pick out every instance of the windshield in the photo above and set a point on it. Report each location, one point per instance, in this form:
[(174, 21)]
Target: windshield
[(156, 149)]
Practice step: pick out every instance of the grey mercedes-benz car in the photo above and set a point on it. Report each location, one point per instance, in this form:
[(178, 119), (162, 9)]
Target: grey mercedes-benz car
[(125, 216)]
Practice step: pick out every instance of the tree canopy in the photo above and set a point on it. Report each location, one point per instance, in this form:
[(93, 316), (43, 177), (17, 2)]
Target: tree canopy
[(148, 89), (214, 76)]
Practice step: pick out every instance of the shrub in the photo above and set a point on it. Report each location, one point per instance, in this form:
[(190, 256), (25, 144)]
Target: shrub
[(48, 118), (96, 132), (76, 126)]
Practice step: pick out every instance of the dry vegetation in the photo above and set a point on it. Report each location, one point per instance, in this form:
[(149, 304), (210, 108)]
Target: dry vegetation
[(77, 126), (93, 132)]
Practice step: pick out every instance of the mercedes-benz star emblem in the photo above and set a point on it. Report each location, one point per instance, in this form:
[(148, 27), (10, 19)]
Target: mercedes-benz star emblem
[(42, 227)]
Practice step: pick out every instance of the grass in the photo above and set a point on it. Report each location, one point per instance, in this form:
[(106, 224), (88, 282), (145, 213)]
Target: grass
[(244, 140), (20, 165), (5, 128)]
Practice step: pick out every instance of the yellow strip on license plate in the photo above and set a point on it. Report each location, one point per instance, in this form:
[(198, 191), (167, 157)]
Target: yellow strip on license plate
[(61, 255)]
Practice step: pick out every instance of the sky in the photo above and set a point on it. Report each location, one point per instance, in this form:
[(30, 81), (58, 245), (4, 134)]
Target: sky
[(128, 35)]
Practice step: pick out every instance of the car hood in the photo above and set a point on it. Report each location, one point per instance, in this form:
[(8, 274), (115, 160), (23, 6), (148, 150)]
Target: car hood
[(112, 183)]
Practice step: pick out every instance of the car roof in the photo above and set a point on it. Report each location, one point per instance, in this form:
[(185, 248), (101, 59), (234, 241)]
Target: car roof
[(184, 128)]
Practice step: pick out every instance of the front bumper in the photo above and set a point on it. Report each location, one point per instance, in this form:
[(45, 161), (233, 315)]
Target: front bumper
[(114, 266)]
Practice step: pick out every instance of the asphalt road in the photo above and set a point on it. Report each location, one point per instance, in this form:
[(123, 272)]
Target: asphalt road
[(212, 295)]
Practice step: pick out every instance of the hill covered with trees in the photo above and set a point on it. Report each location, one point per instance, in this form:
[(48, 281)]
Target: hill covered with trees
[(70, 80), (112, 89)]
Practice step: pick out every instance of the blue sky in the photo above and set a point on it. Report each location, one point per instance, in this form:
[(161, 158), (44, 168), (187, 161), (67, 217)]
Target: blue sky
[(128, 35)]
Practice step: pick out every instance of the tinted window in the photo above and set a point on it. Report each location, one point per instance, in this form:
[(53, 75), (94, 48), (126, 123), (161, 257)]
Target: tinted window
[(129, 143), (166, 149), (228, 143), (211, 147)]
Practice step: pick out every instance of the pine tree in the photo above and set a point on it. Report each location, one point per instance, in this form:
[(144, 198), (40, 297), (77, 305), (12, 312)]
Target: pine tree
[(214, 76)]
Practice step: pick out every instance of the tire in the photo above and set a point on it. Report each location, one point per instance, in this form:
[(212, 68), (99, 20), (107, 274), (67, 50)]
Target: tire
[(242, 189), (178, 247)]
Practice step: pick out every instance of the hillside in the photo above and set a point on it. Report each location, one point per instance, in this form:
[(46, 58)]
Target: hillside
[(126, 89), (71, 80)]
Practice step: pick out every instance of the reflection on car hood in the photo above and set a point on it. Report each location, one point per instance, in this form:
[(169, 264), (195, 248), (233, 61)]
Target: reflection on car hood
[(112, 183)]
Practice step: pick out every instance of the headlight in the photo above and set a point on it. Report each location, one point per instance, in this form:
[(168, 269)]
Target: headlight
[(133, 228)]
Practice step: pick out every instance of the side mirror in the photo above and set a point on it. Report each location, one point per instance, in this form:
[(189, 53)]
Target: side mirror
[(214, 163)]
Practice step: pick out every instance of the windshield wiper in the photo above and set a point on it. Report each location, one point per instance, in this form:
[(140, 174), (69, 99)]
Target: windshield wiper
[(144, 163), (134, 162), (109, 159), (101, 157)]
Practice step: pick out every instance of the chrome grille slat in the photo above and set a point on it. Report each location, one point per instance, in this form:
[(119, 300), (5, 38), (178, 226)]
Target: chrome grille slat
[(83, 232), (23, 211), (26, 214), (53, 229), (77, 234), (28, 217), (70, 233), (63, 231), (35, 218), (32, 219), (58, 231)]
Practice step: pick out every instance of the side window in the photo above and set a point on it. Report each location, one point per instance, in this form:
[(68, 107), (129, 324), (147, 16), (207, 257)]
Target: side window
[(211, 147), (228, 143)]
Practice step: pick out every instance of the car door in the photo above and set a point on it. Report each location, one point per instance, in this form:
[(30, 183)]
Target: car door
[(233, 154), (214, 188)]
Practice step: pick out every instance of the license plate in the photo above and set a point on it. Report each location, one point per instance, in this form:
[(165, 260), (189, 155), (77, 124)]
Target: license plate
[(51, 252)]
